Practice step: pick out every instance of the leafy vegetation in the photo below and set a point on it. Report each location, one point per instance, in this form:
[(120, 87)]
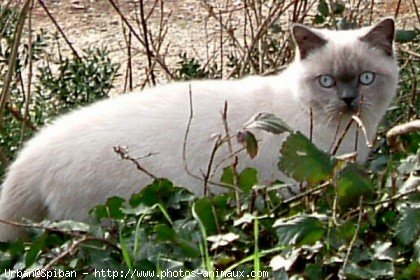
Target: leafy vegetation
[(60, 85), (348, 221)]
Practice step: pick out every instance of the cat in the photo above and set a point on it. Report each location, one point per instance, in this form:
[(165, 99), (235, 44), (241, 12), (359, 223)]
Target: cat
[(71, 165)]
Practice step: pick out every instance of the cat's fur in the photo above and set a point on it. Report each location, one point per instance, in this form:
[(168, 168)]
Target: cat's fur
[(71, 166)]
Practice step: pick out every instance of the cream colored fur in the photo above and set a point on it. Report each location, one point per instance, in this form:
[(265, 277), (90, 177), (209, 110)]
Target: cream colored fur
[(70, 165)]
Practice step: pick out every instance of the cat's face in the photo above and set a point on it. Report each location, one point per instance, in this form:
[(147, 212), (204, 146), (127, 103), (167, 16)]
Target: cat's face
[(346, 72)]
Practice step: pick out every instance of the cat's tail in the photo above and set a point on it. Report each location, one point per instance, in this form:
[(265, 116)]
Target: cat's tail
[(16, 203)]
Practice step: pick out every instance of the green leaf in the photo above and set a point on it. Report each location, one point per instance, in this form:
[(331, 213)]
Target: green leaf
[(384, 251), (411, 271), (114, 206), (165, 233), (155, 193), (247, 140), (35, 250), (301, 230), (405, 36), (303, 161), (247, 179), (323, 9), (408, 228), (339, 8), (227, 175), (416, 255), (353, 271), (351, 185), (204, 211), (268, 122), (16, 248), (99, 212), (319, 19), (381, 269), (313, 271)]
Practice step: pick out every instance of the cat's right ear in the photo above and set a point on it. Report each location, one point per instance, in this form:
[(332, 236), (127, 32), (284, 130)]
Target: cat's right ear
[(306, 40)]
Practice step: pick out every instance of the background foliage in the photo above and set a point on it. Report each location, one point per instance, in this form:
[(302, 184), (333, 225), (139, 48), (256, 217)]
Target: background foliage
[(349, 222)]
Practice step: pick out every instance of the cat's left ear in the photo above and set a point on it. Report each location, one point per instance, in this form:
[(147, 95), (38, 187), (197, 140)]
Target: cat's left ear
[(381, 36)]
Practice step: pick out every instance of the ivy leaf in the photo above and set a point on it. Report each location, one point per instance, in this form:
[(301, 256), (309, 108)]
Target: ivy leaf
[(384, 251), (114, 206), (339, 8), (221, 240), (247, 140), (165, 233), (35, 250), (303, 161), (247, 179), (323, 9), (319, 19), (381, 269), (353, 271), (203, 209), (313, 271), (227, 176), (351, 185), (304, 229), (285, 262), (408, 228), (268, 122), (405, 36)]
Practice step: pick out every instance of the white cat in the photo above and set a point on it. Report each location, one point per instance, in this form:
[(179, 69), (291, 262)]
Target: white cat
[(70, 166)]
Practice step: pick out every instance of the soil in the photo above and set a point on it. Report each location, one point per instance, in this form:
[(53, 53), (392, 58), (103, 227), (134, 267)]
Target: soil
[(95, 23)]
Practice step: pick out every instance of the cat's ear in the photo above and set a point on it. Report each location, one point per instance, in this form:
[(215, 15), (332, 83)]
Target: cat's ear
[(306, 39), (381, 36)]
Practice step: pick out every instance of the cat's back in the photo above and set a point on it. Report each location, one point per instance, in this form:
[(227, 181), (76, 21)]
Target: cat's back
[(150, 121)]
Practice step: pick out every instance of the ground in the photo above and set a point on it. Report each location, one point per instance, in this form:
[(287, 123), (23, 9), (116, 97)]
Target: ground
[(95, 23)]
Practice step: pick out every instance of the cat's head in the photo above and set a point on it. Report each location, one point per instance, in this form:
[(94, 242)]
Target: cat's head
[(345, 72)]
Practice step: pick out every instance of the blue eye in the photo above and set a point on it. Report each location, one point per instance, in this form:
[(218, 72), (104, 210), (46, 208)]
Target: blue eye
[(366, 78), (326, 81)]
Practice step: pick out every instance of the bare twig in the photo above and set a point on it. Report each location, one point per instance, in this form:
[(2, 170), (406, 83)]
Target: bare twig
[(4, 160), (26, 119), (343, 135), (308, 192), (123, 153), (395, 197), (234, 163), (353, 240), (417, 11), (184, 151), (41, 2), (68, 252), (208, 173), (146, 42), (78, 233), (311, 124), (5, 92), (401, 129), (397, 10), (362, 126), (154, 55), (17, 115), (128, 82)]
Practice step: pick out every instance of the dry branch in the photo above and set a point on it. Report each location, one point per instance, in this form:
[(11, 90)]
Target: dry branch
[(401, 129)]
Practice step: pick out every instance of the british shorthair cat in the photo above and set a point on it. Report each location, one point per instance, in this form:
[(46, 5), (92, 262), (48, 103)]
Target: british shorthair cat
[(70, 165)]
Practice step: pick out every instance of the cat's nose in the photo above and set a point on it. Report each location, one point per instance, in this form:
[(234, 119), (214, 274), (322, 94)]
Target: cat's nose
[(348, 100)]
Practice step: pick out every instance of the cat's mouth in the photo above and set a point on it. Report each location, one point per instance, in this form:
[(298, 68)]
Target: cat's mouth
[(350, 109)]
